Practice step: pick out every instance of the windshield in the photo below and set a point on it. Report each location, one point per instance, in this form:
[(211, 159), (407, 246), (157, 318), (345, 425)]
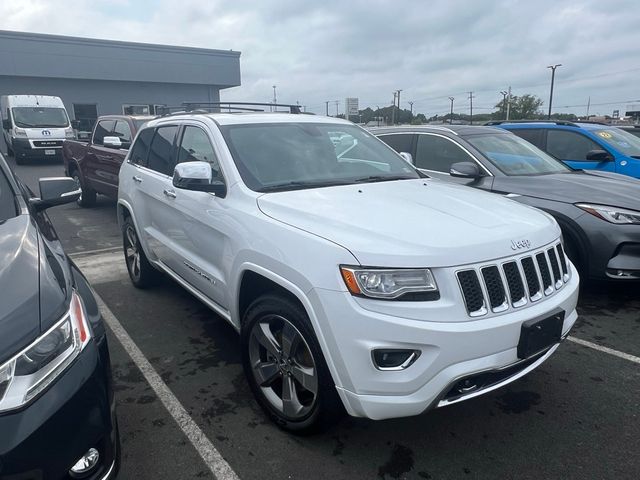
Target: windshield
[(515, 156), (287, 156), (622, 141), (39, 117)]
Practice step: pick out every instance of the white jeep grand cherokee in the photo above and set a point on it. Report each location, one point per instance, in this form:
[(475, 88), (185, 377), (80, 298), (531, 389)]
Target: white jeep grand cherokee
[(354, 281)]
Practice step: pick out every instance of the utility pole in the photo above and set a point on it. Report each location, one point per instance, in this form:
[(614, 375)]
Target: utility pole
[(588, 106), (393, 109), (378, 114), (451, 114), (553, 76), (275, 100), (508, 103), (504, 101), (337, 102), (411, 105), (471, 97), (327, 105), (399, 105)]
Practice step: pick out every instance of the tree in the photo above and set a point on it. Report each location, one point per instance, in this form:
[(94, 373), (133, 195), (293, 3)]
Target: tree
[(525, 107)]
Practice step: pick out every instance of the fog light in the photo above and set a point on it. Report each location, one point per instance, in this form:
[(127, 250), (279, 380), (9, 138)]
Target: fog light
[(394, 359), (86, 463)]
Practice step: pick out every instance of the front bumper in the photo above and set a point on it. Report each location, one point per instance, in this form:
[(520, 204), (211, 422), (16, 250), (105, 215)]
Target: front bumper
[(24, 148), (450, 349), (46, 438)]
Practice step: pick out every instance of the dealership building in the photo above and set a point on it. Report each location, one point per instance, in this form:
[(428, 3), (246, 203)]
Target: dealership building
[(100, 77)]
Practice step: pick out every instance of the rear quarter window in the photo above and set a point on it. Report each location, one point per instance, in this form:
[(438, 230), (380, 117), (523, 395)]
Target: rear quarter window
[(140, 148)]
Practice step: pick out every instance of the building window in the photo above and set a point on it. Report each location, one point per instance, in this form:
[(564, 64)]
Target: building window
[(131, 109), (85, 116)]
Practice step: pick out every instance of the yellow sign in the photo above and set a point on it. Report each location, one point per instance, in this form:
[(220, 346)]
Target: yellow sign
[(605, 134)]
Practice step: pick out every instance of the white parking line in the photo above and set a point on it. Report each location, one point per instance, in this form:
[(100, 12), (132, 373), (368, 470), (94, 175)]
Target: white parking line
[(84, 253), (210, 455), (601, 348)]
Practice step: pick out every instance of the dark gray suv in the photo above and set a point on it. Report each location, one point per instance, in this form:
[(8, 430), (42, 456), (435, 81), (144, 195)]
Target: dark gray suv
[(598, 212)]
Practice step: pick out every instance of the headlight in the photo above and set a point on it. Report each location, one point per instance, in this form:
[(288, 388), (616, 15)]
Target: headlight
[(68, 133), (611, 214), (390, 284), (19, 132), (31, 371)]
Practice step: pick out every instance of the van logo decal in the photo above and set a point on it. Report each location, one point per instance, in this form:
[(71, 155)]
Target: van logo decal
[(46, 133), (520, 244)]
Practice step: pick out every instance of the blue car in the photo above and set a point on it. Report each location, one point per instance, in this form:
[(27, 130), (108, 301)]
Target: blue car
[(582, 145)]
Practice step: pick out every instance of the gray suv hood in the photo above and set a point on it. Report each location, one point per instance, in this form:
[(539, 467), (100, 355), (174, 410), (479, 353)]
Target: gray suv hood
[(603, 188)]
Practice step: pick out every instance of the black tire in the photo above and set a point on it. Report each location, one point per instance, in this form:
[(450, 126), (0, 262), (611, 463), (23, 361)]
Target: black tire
[(20, 160), (141, 272), (88, 195), (573, 252), (320, 409)]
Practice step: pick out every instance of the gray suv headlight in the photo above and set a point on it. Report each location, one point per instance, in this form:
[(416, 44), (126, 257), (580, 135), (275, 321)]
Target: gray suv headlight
[(32, 370), (391, 284), (611, 214)]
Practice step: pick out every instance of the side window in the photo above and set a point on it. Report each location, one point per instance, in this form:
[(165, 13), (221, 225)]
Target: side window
[(103, 129), (531, 135), (161, 152), (195, 146), (123, 131), (567, 145), (140, 149), (399, 142), (438, 153)]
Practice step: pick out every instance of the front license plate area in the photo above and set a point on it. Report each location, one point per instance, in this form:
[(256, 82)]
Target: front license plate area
[(539, 334), (49, 152)]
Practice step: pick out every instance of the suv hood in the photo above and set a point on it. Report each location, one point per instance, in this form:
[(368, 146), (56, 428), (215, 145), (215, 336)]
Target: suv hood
[(412, 223), (603, 188), (35, 289), (20, 306)]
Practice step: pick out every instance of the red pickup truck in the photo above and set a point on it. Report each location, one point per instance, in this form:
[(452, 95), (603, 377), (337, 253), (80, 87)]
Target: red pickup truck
[(95, 164)]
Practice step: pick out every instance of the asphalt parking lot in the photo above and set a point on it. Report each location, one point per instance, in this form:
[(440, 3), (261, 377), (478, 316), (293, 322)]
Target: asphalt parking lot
[(575, 417)]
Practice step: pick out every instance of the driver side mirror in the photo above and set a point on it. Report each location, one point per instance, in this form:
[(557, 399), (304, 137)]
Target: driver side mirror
[(599, 156), (56, 191), (408, 157), (465, 170), (112, 142), (6, 124), (198, 176)]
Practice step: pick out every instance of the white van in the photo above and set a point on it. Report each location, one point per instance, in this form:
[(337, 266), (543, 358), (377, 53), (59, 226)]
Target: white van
[(34, 126)]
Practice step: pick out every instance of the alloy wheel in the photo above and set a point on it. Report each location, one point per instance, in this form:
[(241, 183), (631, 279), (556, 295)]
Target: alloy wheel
[(132, 251), (283, 366)]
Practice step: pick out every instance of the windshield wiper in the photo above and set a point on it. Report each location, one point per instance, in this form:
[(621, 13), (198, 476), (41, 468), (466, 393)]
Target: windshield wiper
[(24, 125), (381, 178), (299, 185)]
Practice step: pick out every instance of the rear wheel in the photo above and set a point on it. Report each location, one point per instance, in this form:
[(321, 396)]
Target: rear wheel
[(285, 366), (141, 272), (88, 196)]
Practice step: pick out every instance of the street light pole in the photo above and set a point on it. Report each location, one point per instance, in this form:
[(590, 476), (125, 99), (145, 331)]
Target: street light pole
[(553, 76), (411, 106), (471, 97), (504, 101), (275, 100), (451, 114)]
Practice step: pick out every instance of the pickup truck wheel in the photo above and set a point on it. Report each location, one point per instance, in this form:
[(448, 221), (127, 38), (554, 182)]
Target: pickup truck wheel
[(141, 272), (285, 367), (88, 196)]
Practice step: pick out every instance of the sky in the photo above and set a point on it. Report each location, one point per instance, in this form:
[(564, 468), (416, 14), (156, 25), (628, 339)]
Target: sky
[(318, 51)]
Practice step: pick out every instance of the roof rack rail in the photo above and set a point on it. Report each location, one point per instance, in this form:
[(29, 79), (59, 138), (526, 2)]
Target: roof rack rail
[(566, 123), (226, 107)]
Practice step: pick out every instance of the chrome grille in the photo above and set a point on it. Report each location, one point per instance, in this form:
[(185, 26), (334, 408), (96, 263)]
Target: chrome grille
[(513, 283)]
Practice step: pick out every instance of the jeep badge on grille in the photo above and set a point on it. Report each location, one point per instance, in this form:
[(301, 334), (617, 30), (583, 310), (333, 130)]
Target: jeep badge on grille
[(520, 244)]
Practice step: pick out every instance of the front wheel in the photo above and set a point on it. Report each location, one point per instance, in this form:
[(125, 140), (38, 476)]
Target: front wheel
[(87, 196), (141, 272), (285, 367)]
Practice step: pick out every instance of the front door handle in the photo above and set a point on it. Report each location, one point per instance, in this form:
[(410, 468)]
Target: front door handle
[(170, 193), (137, 179)]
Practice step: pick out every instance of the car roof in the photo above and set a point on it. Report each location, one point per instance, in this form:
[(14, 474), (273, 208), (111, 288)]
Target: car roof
[(252, 118), (556, 124), (461, 130)]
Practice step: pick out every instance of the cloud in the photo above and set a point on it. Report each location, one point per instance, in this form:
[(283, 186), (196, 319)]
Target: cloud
[(319, 51)]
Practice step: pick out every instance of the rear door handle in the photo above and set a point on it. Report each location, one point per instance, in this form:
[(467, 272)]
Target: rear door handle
[(137, 179), (170, 193)]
